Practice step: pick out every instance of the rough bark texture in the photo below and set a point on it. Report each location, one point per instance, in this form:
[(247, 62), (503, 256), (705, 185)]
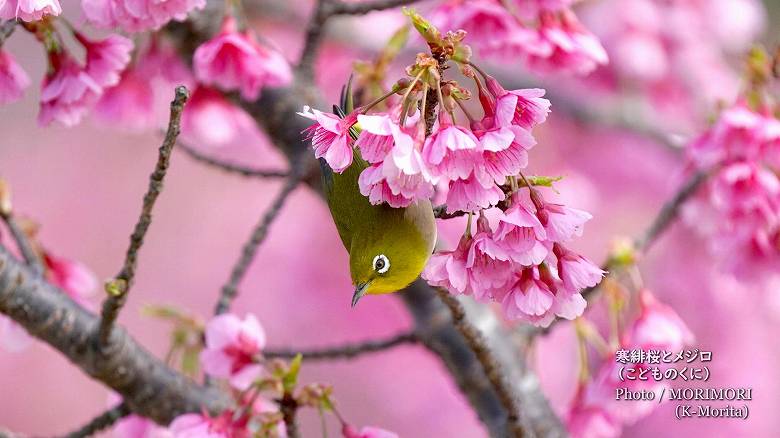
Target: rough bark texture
[(148, 386)]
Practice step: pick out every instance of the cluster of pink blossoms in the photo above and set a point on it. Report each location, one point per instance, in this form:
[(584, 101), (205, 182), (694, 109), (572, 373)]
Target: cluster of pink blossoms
[(233, 351), (546, 34), (594, 411), (738, 210), (678, 54), (523, 264), (29, 10)]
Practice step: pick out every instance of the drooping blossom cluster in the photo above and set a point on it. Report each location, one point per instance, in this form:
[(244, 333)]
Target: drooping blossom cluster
[(738, 210), (546, 34), (137, 15), (72, 88), (408, 152), (522, 264), (594, 411), (678, 55), (234, 60), (233, 351)]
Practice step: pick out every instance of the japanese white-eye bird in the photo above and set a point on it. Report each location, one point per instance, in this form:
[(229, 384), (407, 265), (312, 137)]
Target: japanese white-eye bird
[(388, 247)]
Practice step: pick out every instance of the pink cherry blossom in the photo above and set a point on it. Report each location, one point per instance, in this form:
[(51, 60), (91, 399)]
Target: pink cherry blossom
[(489, 264), (576, 271), (29, 10), (451, 151), (530, 108), (232, 349), (522, 234), (129, 104), (72, 277), (137, 15), (376, 136), (204, 426), (106, 58), (330, 137), (473, 193), (529, 299), (564, 45), (560, 222), (67, 93), (658, 326), (13, 79), (234, 60), (349, 431), (211, 121), (449, 269), (491, 27)]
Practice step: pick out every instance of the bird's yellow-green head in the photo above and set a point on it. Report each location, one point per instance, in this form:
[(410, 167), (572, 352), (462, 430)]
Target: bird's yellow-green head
[(389, 253)]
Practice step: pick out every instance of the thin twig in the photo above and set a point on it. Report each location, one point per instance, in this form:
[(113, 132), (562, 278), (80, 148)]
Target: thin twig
[(119, 287), (101, 422), (231, 167), (323, 11), (485, 357), (230, 289), (347, 351), (31, 257)]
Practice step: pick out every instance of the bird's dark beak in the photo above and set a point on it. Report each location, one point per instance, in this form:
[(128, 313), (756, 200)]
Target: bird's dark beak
[(360, 290)]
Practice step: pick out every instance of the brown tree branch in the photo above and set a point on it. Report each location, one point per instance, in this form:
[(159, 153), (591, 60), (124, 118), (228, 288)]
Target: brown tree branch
[(230, 289), (489, 365), (347, 351), (120, 286), (323, 11), (147, 386), (231, 167), (101, 422), (23, 242)]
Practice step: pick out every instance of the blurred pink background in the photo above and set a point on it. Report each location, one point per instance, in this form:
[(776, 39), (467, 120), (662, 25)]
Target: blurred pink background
[(84, 187)]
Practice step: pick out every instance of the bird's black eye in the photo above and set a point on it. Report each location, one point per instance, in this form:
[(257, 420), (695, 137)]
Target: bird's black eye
[(381, 264)]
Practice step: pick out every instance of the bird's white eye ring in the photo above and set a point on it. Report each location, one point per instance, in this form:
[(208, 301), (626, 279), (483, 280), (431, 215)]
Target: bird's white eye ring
[(381, 264)]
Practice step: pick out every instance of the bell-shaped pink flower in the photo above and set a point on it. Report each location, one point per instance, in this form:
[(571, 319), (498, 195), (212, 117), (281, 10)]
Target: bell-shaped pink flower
[(530, 107), (586, 419), (137, 15), (349, 431), (29, 10), (658, 326), (13, 79), (565, 45), (376, 136), (449, 269), (522, 234), (232, 349), (67, 93), (211, 121), (529, 299), (576, 271), (472, 194), (106, 58), (489, 264), (451, 151), (129, 104), (330, 137), (562, 223), (235, 60)]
